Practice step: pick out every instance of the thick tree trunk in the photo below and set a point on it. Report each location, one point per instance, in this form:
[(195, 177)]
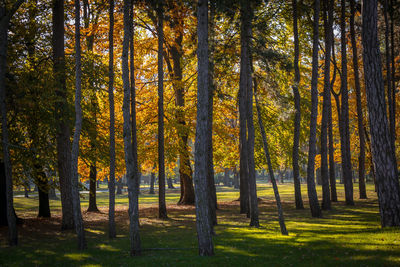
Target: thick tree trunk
[(62, 116), (271, 172), (92, 189), (131, 165), (382, 150), (235, 179), (226, 177), (312, 192), (162, 208), (43, 188), (111, 185), (203, 220), (360, 119), (345, 133), (79, 227), (152, 180), (170, 184), (297, 116)]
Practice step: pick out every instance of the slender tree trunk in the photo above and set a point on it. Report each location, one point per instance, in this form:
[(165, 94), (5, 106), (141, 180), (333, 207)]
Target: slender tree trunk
[(360, 119), (131, 166), (382, 150), (62, 116), (312, 192), (92, 189), (297, 116), (332, 176), (271, 172), (345, 133), (162, 209), (111, 185), (203, 220), (79, 227), (393, 68)]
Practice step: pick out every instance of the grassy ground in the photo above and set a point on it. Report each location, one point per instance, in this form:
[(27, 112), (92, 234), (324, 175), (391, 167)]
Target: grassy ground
[(345, 236)]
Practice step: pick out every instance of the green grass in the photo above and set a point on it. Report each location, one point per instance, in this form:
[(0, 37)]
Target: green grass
[(345, 236)]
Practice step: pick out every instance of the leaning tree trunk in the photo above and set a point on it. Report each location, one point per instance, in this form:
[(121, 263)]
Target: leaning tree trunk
[(312, 192), (345, 133), (382, 150), (297, 116), (62, 116), (79, 227), (131, 167), (203, 220), (162, 208), (360, 119)]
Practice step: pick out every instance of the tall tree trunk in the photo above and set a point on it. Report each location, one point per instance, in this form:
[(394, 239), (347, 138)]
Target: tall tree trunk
[(271, 171), (360, 119), (332, 176), (131, 166), (393, 68), (111, 185), (92, 188), (297, 116), (62, 115), (382, 151), (203, 220), (162, 208), (79, 227), (312, 192), (328, 20), (246, 15), (345, 133)]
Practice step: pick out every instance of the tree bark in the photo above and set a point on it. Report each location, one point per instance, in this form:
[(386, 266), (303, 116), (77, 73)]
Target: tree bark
[(92, 188), (382, 151), (360, 119), (131, 167), (297, 116), (170, 184), (345, 133), (152, 180), (332, 176), (312, 192), (43, 188), (162, 209), (203, 220), (393, 68), (79, 227), (62, 116)]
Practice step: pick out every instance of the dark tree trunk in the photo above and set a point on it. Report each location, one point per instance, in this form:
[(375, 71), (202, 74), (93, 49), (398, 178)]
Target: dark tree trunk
[(162, 208), (111, 185), (312, 192), (170, 184), (132, 173), (382, 150), (43, 187), (152, 180), (203, 220), (360, 119), (92, 189), (119, 186), (226, 177), (235, 179), (271, 172), (297, 116), (345, 133), (393, 68), (332, 176), (62, 116)]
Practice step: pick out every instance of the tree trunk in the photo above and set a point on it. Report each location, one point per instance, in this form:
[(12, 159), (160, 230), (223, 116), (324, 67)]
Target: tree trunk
[(92, 189), (111, 185), (131, 165), (79, 227), (119, 186), (345, 133), (393, 68), (271, 172), (62, 116), (162, 209), (170, 184), (360, 119), (152, 180), (328, 20), (235, 179), (382, 150), (297, 116), (43, 187), (226, 177), (312, 192), (203, 220), (332, 175)]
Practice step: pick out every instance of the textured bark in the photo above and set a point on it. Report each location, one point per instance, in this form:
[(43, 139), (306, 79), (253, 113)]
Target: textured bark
[(131, 167), (162, 209), (79, 227), (382, 151), (92, 189), (111, 184), (297, 116), (246, 16), (328, 20), (345, 133), (203, 220), (360, 119), (62, 116), (312, 192), (270, 169), (393, 68)]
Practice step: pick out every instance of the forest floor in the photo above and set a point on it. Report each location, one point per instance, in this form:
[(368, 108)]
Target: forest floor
[(345, 236)]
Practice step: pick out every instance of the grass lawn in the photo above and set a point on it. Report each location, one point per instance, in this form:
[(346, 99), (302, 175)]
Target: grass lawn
[(345, 236)]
